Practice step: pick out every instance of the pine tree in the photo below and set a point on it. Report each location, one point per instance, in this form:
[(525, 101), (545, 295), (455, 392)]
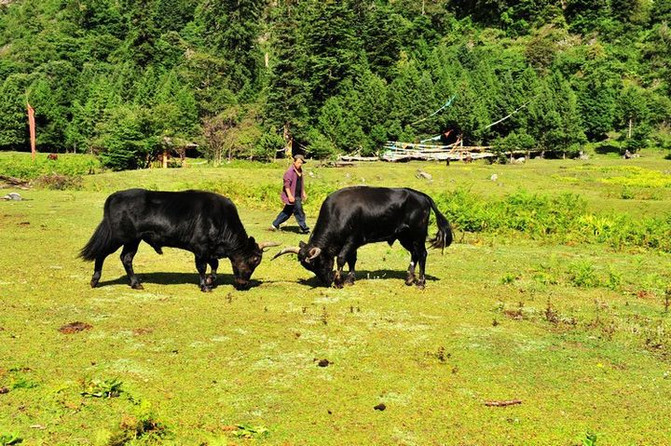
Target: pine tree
[(287, 95)]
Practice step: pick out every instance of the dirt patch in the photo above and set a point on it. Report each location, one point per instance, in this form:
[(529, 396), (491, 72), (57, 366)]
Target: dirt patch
[(322, 362), (75, 327)]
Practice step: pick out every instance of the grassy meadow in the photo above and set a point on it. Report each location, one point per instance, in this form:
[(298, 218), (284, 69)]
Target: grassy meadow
[(561, 310)]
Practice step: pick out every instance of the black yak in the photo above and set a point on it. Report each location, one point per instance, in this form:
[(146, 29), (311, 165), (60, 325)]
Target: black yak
[(204, 223), (355, 216)]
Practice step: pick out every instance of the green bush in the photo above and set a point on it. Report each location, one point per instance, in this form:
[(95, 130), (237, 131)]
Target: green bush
[(21, 165), (320, 146), (563, 218), (583, 274), (125, 141), (269, 144), (513, 142)]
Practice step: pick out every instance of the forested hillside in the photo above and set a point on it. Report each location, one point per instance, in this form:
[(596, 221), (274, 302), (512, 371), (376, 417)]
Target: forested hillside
[(123, 78)]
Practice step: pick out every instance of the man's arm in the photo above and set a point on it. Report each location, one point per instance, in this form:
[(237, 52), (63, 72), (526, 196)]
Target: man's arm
[(287, 187)]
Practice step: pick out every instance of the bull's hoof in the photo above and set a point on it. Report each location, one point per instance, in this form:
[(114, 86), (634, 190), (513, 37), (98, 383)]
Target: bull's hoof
[(206, 289), (94, 283), (337, 284), (349, 280), (420, 285), (410, 281), (210, 279), (137, 286)]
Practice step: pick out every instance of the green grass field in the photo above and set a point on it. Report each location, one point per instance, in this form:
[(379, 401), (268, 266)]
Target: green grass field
[(579, 333)]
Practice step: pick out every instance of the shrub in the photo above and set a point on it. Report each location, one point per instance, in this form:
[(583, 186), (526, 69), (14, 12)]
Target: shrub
[(58, 182), (562, 218), (583, 274), (513, 142), (269, 144), (125, 140), (21, 165), (320, 146)]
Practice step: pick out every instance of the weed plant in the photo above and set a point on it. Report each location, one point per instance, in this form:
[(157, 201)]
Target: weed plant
[(21, 165)]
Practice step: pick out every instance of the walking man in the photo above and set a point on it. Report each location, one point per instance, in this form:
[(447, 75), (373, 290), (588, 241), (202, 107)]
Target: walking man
[(293, 195)]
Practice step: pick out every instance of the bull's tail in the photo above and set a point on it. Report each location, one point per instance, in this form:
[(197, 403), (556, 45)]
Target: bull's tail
[(443, 237), (99, 244)]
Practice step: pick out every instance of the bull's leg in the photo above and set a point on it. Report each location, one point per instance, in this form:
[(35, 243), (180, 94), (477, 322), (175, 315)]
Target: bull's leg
[(337, 278), (410, 278), (420, 252), (127, 254), (97, 270), (351, 262), (342, 258), (211, 278), (201, 266)]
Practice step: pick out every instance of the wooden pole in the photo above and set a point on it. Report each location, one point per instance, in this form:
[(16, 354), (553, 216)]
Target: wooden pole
[(31, 126)]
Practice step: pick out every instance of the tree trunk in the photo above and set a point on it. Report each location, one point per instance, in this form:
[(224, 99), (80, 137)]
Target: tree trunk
[(288, 149)]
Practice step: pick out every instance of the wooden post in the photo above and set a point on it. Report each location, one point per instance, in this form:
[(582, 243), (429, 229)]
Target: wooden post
[(165, 158), (31, 126), (288, 149)]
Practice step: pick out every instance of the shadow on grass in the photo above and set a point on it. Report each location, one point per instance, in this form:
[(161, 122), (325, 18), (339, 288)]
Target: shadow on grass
[(381, 274), (176, 279), (293, 229), (389, 274)]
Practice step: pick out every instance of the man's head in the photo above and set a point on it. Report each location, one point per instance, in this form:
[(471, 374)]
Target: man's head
[(299, 160)]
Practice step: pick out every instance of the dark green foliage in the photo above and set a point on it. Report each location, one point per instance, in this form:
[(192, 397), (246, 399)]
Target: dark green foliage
[(505, 147), (270, 144), (124, 139), (122, 77), (585, 15), (634, 114)]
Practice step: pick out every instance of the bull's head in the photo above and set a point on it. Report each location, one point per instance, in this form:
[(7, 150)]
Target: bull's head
[(313, 259), (246, 260)]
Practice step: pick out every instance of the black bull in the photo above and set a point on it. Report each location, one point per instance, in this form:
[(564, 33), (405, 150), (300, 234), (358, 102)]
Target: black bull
[(204, 223), (355, 216)]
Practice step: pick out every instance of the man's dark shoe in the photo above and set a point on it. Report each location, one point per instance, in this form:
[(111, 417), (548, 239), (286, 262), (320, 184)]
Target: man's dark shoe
[(305, 230)]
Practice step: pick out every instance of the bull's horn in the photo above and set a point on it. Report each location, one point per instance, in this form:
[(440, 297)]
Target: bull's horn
[(314, 252), (289, 250), (264, 245)]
